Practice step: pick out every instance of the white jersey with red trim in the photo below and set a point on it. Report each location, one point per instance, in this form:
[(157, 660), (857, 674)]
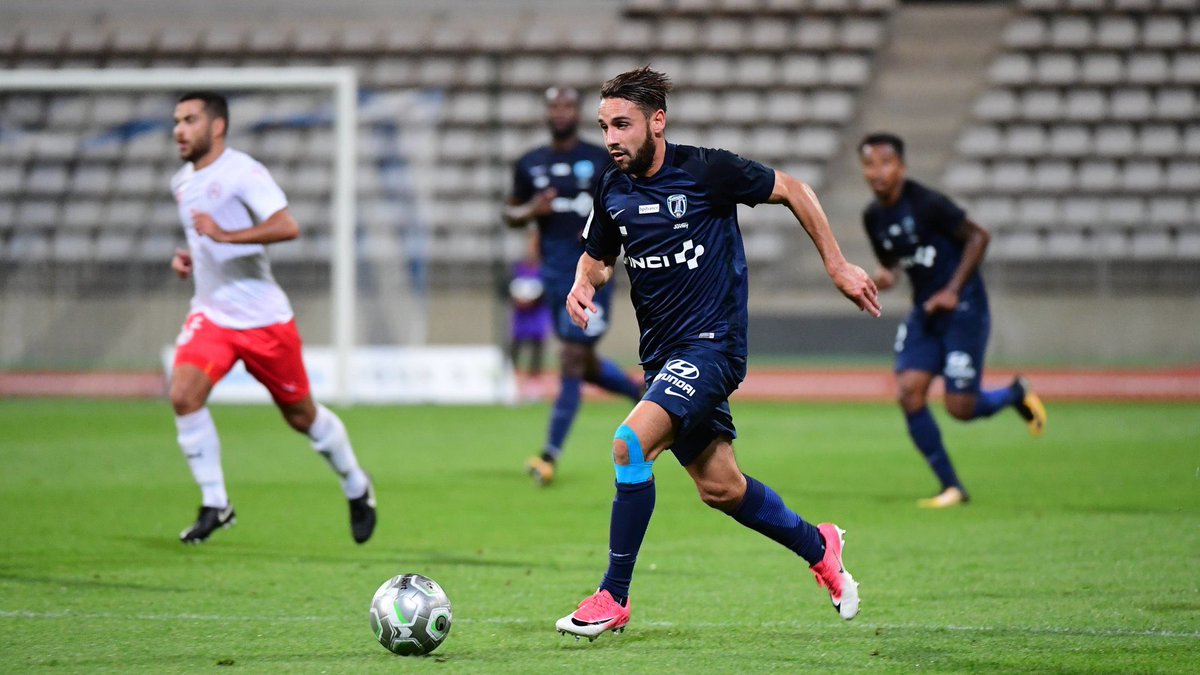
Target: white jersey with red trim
[(234, 284)]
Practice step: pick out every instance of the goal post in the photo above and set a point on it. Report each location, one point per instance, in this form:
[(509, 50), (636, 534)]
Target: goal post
[(342, 82)]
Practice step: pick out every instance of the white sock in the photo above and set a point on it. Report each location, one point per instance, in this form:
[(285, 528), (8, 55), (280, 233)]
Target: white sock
[(330, 440), (197, 436)]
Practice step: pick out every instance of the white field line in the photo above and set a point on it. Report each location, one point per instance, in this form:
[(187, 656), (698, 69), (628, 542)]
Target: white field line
[(508, 621)]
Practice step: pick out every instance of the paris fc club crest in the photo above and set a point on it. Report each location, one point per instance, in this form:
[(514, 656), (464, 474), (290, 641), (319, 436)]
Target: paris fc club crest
[(677, 205)]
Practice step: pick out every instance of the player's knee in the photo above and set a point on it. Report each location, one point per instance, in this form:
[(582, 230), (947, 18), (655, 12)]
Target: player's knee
[(573, 359), (185, 402), (629, 462), (961, 409), (911, 399)]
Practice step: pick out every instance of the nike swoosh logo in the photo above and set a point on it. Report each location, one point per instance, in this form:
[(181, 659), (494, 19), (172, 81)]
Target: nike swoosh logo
[(672, 392), (613, 216)]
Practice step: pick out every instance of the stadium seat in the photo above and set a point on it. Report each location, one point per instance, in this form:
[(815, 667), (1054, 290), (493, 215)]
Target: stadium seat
[(1034, 212), (1053, 176), (1122, 212), (1142, 176), (1164, 32), (966, 177), (1069, 140), (1183, 176), (769, 33), (1025, 140), (1101, 68), (815, 34), (1057, 68), (997, 105), (1041, 105), (1114, 140), (1026, 32), (1011, 176), (1097, 175), (740, 106), (1116, 32), (1131, 104), (786, 107), (1159, 140), (1070, 32), (802, 70), (46, 179), (1175, 104)]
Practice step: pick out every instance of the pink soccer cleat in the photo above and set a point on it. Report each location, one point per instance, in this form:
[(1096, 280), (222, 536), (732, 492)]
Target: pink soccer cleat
[(596, 614), (830, 573)]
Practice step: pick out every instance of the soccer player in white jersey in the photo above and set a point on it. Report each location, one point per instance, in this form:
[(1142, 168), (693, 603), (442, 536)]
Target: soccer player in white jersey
[(230, 209)]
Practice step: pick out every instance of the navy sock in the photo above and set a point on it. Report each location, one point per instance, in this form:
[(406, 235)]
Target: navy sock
[(988, 403), (762, 510), (925, 433), (631, 510), (613, 379), (563, 415)]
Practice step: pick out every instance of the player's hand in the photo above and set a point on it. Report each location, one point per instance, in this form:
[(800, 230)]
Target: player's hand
[(856, 284), (943, 301), (579, 304), (543, 203), (208, 227), (182, 263)]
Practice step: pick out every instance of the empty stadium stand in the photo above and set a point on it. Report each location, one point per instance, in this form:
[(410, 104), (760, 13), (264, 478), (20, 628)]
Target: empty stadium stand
[(83, 177), (1085, 144)]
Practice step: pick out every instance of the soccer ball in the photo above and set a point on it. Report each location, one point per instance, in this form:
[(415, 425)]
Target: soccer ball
[(410, 615)]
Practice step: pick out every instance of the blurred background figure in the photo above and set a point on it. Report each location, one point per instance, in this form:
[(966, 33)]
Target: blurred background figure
[(553, 186), (529, 325)]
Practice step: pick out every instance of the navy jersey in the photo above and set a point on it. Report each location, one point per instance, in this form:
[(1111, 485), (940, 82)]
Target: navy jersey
[(574, 175), (918, 234), (683, 247)]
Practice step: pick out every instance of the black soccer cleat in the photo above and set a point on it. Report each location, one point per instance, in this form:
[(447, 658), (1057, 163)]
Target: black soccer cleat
[(362, 515), (209, 520)]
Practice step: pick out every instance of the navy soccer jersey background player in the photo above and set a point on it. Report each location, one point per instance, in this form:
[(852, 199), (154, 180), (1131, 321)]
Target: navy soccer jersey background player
[(671, 210), (554, 185), (921, 231)]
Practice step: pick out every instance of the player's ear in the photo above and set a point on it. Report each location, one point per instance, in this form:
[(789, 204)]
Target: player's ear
[(658, 122), (218, 126)]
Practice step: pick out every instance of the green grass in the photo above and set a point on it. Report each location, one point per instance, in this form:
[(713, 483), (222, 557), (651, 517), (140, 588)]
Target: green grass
[(1079, 553)]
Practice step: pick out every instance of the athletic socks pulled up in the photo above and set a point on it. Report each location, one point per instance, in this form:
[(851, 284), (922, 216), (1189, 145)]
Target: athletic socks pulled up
[(330, 440), (989, 402), (928, 438), (197, 436), (631, 510), (763, 511), (566, 406)]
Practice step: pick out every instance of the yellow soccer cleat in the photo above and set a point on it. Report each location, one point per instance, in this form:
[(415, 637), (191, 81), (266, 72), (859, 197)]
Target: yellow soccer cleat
[(540, 470), (1030, 408), (951, 496)]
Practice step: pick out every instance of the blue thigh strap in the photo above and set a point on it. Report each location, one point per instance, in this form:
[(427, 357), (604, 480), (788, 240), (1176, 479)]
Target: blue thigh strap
[(638, 470)]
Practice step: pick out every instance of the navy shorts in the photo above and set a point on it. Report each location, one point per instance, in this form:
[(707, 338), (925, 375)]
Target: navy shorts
[(694, 385), (951, 344), (565, 329)]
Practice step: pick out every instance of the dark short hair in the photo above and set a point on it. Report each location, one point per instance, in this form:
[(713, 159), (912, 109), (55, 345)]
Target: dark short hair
[(645, 88), (215, 104), (884, 138)]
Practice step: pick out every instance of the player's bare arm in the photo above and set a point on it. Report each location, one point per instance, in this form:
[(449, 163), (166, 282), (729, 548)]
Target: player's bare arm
[(850, 279), (181, 262), (590, 276), (517, 214), (884, 277), (281, 226), (974, 238)]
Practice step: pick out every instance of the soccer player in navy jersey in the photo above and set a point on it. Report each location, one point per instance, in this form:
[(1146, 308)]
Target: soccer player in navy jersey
[(672, 209), (553, 185), (921, 231)]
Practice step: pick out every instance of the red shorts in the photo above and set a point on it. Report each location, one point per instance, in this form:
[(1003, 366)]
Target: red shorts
[(271, 354)]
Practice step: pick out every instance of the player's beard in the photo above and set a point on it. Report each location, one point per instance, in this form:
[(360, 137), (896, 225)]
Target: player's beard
[(565, 132), (200, 148), (640, 161)]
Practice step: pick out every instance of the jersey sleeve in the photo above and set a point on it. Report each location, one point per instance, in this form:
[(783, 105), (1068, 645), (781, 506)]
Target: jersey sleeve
[(601, 237), (522, 190), (735, 179), (944, 215), (260, 193)]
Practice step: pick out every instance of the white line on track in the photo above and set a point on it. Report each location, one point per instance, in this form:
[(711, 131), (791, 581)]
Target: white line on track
[(1025, 630)]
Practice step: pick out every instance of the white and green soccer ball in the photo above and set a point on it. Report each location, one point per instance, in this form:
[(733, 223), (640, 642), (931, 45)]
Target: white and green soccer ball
[(410, 615)]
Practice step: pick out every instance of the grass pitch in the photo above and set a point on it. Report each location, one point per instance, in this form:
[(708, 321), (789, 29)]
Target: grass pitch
[(1079, 553)]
